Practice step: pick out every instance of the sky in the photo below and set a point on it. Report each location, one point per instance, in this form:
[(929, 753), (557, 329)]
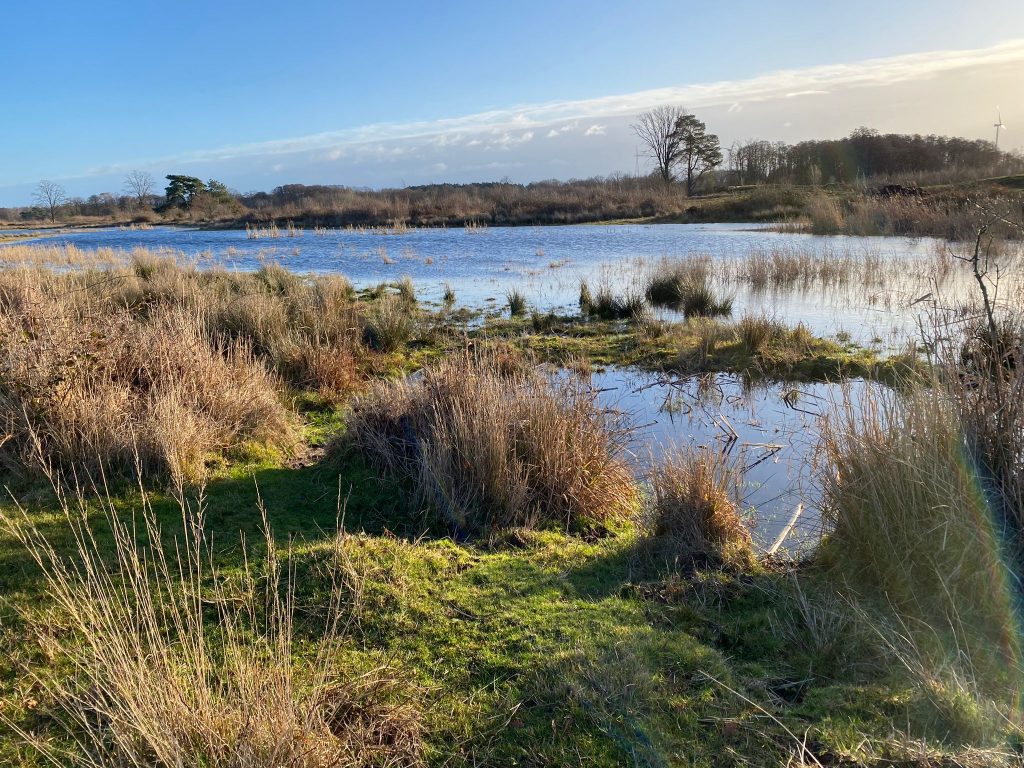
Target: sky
[(258, 94)]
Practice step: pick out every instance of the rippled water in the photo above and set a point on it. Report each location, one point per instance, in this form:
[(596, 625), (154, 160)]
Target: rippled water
[(546, 263), (770, 430)]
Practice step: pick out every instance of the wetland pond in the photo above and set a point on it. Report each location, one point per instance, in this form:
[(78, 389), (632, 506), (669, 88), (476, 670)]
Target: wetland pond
[(770, 429), (547, 264)]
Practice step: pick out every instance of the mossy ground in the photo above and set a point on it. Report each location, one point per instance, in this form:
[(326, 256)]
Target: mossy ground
[(682, 347), (531, 648)]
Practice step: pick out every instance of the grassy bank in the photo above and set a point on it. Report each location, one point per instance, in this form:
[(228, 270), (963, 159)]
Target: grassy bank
[(239, 535)]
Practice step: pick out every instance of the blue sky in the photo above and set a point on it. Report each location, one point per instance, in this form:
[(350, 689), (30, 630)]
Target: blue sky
[(260, 93)]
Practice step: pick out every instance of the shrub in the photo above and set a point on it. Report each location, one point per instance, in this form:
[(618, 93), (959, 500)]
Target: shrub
[(493, 447), (694, 509)]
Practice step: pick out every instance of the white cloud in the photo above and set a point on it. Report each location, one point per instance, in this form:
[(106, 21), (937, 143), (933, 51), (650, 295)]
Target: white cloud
[(735, 107), (594, 130), (809, 92), (506, 140), (773, 85)]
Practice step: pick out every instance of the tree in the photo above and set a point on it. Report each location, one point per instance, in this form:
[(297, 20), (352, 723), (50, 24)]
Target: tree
[(697, 150), (182, 190), (51, 196), (139, 185), (219, 191), (657, 130)]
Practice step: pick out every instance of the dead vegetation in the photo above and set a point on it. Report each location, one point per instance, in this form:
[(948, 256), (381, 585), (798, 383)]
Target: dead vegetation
[(491, 443)]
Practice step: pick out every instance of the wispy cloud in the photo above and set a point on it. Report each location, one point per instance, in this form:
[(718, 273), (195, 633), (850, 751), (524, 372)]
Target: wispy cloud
[(505, 128), (808, 92)]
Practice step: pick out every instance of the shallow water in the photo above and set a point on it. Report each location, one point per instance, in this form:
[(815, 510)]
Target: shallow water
[(770, 430), (545, 263)]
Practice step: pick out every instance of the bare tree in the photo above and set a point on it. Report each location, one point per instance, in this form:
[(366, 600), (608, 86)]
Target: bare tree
[(139, 185), (657, 130), (51, 196)]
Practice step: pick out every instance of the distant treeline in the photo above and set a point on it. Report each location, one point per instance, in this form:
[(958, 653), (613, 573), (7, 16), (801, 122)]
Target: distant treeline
[(867, 155), (863, 160)]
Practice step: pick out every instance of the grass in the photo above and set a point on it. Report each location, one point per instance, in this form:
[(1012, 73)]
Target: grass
[(694, 509), (604, 304), (152, 681), (516, 304), (912, 537), (391, 324), (685, 286), (564, 634), (490, 444)]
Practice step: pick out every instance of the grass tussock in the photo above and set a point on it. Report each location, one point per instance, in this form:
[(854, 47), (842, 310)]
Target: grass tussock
[(910, 526), (390, 324), (686, 287), (87, 392), (492, 444), (166, 660), (762, 333), (516, 304), (694, 509), (605, 304)]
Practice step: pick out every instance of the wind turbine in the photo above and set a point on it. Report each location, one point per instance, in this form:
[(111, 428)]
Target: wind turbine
[(998, 125)]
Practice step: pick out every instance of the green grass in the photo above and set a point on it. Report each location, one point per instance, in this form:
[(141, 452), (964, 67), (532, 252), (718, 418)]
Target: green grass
[(678, 347), (535, 648)]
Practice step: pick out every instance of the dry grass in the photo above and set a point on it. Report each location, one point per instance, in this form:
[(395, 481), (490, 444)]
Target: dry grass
[(83, 392), (953, 217), (910, 526), (171, 662), (694, 508), (788, 267), (391, 324), (185, 364), (492, 444)]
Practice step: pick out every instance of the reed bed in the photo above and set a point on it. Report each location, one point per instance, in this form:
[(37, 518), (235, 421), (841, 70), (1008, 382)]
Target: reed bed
[(259, 232), (490, 444), (793, 267), (950, 217), (166, 659)]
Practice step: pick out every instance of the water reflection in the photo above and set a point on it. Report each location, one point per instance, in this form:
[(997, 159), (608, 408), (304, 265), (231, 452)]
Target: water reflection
[(769, 429), (546, 263)]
